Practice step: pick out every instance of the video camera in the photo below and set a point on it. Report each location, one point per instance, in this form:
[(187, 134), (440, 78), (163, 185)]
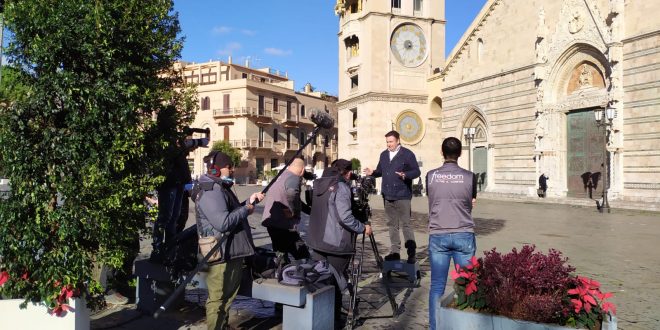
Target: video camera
[(361, 188), (201, 142)]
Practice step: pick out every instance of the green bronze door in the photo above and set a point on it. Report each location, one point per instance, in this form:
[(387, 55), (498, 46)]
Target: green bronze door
[(480, 166), (585, 155)]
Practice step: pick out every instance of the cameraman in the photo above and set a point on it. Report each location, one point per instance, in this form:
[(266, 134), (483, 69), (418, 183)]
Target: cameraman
[(333, 229), (170, 198), (398, 167)]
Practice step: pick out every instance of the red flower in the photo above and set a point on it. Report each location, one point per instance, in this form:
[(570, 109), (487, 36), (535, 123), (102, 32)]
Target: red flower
[(25, 276), (61, 309), (4, 277), (609, 307), (471, 288), (577, 303)]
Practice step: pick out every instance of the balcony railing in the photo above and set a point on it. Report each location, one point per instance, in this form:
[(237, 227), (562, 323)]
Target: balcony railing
[(251, 144), (242, 111), (293, 146), (292, 118)]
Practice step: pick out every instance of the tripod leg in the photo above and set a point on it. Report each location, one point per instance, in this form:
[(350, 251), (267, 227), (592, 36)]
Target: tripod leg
[(379, 262)]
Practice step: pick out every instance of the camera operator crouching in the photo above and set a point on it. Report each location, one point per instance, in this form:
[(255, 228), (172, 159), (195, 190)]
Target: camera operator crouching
[(334, 227)]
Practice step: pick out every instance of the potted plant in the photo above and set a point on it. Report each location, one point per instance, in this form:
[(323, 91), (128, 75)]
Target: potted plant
[(524, 287)]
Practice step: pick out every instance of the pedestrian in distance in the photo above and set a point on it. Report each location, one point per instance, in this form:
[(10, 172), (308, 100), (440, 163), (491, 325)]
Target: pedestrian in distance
[(452, 193), (398, 167), (543, 185)]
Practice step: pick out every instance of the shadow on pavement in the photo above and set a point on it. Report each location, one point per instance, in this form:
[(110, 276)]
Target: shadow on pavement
[(485, 227)]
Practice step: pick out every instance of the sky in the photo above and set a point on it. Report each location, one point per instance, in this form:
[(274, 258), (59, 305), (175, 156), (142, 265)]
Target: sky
[(296, 36)]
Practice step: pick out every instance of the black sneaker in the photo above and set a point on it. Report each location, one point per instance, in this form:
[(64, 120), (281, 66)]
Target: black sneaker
[(393, 257)]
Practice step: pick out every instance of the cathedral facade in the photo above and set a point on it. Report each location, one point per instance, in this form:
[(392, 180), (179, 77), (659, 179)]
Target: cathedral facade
[(527, 82)]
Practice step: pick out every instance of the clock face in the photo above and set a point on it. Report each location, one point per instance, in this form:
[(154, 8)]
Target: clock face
[(408, 45), (410, 127)]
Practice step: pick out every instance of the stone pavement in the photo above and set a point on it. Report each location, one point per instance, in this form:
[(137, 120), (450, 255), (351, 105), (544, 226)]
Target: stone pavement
[(618, 249)]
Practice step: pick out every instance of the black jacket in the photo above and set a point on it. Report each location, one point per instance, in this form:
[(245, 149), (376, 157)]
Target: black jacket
[(393, 187)]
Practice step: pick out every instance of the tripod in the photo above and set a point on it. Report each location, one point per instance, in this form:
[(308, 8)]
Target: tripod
[(356, 272)]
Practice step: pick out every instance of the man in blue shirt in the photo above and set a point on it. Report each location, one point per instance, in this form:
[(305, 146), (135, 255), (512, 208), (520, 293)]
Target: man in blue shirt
[(398, 168)]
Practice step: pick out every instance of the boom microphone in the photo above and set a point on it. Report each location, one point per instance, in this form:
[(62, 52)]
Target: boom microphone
[(322, 119)]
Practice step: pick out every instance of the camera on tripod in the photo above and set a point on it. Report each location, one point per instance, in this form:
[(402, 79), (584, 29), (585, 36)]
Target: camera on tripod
[(361, 188)]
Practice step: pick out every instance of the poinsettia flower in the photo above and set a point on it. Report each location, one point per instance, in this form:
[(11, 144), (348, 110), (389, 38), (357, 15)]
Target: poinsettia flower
[(4, 277), (577, 304), (454, 275), (61, 309), (603, 296), (473, 263), (25, 276), (471, 288), (608, 307)]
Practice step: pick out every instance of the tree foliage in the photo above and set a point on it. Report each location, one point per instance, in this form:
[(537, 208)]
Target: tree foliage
[(90, 138), (232, 152)]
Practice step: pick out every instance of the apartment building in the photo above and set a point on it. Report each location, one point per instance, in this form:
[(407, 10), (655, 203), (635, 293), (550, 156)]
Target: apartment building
[(260, 113)]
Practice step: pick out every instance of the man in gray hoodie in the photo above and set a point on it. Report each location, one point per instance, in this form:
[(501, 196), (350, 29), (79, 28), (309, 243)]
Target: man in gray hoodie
[(452, 192), (220, 213), (333, 227)]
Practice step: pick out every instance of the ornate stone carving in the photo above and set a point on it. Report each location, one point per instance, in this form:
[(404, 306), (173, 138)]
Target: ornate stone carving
[(576, 21), (586, 77)]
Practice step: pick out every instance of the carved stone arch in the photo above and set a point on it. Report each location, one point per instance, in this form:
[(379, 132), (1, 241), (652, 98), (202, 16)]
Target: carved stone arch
[(436, 106), (565, 65), (474, 117)]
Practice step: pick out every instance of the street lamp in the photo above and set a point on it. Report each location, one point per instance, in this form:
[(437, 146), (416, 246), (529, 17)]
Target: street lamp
[(468, 132), (604, 118)]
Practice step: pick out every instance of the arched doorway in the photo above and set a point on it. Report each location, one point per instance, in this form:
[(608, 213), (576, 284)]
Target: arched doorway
[(475, 147)]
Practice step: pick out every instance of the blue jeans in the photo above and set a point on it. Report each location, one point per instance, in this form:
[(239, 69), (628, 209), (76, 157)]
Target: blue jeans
[(169, 210), (442, 248)]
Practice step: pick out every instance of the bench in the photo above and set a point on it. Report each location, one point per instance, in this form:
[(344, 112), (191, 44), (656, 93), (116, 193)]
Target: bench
[(302, 309)]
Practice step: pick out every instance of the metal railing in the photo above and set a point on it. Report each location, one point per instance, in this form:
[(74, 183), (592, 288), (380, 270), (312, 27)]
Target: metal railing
[(251, 143), (242, 111)]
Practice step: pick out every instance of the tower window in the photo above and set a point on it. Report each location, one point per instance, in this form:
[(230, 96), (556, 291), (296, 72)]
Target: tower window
[(396, 4), (418, 5), (352, 46), (354, 82)]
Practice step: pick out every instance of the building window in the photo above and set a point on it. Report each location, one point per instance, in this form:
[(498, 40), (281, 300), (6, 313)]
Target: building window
[(352, 46), (273, 163), (261, 104), (206, 103), (354, 120), (288, 139), (356, 7), (288, 109), (354, 82), (244, 75), (396, 4), (261, 137), (276, 107), (302, 138), (418, 5), (276, 135), (263, 80), (302, 110), (326, 142), (225, 102)]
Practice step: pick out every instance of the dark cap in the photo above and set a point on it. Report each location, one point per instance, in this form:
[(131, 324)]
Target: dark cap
[(218, 158), (343, 165)]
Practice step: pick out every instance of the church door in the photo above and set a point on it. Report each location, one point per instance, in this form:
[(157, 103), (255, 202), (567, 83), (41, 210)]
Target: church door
[(480, 166), (586, 151)]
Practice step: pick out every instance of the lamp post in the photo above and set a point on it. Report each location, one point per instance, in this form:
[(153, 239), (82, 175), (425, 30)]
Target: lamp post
[(468, 132), (604, 118)]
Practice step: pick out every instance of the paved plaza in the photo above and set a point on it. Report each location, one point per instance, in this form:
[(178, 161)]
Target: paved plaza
[(617, 249)]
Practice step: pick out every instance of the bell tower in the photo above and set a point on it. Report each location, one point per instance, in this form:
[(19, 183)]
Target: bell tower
[(387, 51)]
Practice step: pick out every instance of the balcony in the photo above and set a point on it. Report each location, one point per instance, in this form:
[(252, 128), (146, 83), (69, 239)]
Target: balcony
[(293, 146), (252, 144), (290, 120), (242, 111)]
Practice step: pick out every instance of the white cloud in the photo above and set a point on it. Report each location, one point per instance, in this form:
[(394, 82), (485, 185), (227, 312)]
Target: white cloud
[(249, 33), (221, 30), (230, 48), (277, 51)]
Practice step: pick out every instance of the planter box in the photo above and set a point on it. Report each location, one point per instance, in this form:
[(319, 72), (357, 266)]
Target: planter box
[(36, 316), (454, 319)]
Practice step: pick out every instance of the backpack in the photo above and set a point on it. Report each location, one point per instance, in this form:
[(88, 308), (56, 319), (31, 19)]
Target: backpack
[(312, 274)]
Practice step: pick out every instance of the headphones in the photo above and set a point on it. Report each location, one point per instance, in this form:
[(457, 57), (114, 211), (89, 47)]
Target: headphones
[(213, 169)]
